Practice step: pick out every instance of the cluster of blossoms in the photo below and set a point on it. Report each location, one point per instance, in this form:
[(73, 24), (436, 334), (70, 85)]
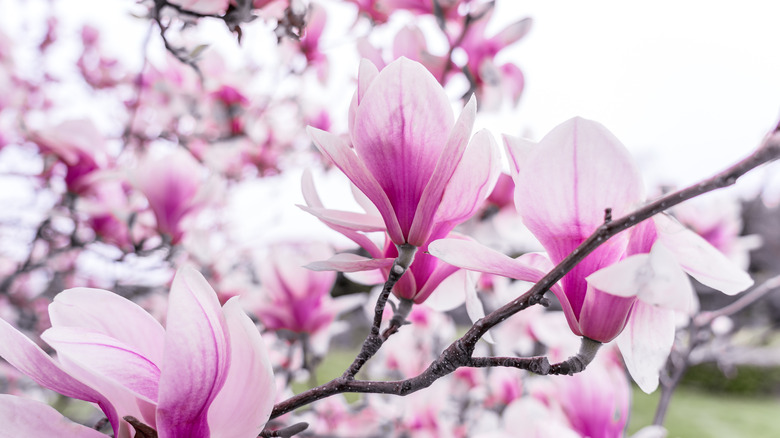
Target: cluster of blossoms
[(151, 191)]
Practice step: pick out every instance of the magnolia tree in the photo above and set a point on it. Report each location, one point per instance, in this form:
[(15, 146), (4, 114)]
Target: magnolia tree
[(125, 285)]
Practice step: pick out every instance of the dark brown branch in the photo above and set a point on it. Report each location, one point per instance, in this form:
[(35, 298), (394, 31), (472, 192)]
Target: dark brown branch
[(374, 340), (286, 432)]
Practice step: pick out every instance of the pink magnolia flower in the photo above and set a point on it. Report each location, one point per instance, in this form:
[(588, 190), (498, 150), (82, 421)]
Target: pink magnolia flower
[(596, 402), (205, 373), (491, 80), (406, 147), (292, 297), (79, 145), (564, 184), (409, 42), (175, 187), (468, 188)]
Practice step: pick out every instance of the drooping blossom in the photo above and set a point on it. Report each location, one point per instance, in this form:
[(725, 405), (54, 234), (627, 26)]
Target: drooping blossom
[(407, 150), (175, 186), (493, 82), (79, 145), (564, 185), (292, 297), (409, 42), (595, 402), (205, 374)]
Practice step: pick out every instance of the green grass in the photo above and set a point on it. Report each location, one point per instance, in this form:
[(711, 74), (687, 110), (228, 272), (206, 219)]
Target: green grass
[(694, 413)]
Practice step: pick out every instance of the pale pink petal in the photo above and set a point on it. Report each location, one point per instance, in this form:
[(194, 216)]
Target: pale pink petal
[(518, 149), (309, 190), (196, 357), (345, 159), (512, 80), (409, 42), (450, 293), (105, 312), (367, 72), (347, 219), (450, 157), (346, 262), (30, 359), (471, 255), (564, 186), (26, 418), (244, 404), (107, 357), (513, 32), (400, 131), (369, 278), (646, 342), (354, 231), (529, 417), (473, 180), (700, 259), (651, 432), (654, 278)]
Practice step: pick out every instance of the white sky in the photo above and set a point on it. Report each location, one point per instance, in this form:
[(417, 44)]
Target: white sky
[(688, 86)]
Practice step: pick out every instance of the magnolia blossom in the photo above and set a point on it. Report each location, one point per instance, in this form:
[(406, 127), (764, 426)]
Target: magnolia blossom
[(205, 374), (175, 187), (292, 297), (79, 145), (493, 82), (407, 152), (564, 185)]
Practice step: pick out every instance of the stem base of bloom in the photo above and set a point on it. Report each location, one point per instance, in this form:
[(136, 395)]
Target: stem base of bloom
[(580, 361)]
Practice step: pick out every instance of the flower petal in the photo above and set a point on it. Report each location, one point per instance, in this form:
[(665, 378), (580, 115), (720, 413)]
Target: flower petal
[(577, 171), (22, 417), (700, 259), (196, 357), (106, 357), (346, 262), (646, 342), (353, 231), (654, 278), (105, 312), (244, 404), (345, 159), (346, 219), (471, 255), (472, 181), (450, 158), (31, 360)]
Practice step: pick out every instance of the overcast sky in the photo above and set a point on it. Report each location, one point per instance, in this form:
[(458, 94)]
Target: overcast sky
[(688, 86)]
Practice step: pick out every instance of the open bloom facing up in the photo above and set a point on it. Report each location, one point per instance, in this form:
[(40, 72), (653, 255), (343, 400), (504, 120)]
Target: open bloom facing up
[(563, 187), (406, 148), (205, 374)]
